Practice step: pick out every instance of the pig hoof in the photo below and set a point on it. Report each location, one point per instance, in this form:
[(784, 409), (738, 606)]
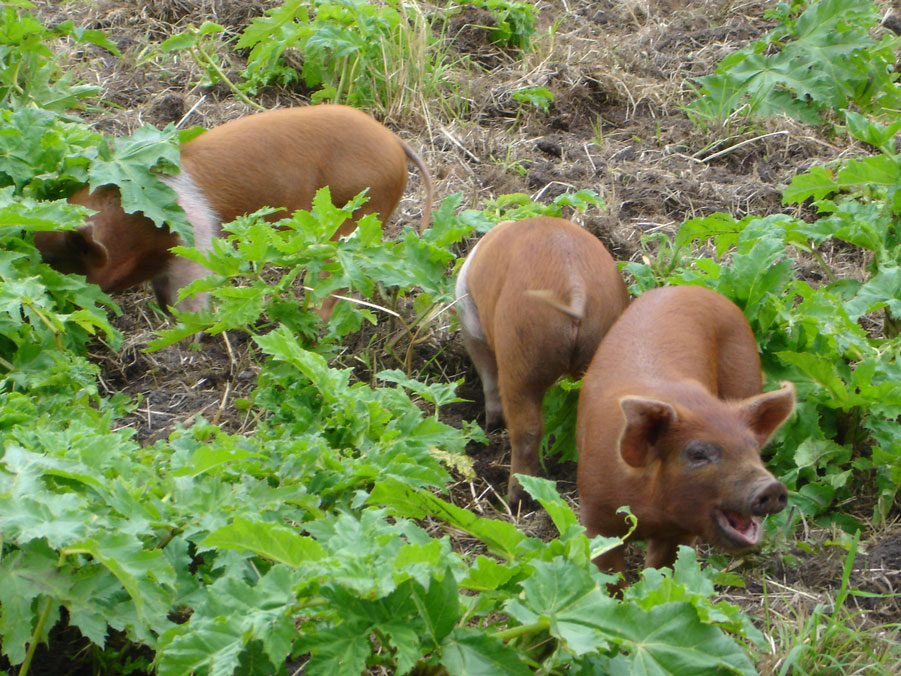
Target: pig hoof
[(519, 501), (494, 423)]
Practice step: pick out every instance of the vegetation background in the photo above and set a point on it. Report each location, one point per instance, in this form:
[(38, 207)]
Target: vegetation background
[(259, 505)]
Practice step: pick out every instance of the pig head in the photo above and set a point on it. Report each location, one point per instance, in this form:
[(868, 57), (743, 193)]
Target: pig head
[(671, 422), (114, 249)]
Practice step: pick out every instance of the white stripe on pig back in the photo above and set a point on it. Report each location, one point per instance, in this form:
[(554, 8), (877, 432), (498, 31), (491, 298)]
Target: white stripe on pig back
[(205, 222), (466, 307)]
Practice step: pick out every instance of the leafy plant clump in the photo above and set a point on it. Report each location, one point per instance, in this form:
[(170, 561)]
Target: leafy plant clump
[(516, 22), (319, 540), (212, 548), (820, 58), (30, 71), (346, 51)]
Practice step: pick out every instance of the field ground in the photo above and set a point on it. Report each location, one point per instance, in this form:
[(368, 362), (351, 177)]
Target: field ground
[(618, 72)]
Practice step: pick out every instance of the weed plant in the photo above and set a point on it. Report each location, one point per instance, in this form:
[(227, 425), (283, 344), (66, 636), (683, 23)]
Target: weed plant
[(820, 58)]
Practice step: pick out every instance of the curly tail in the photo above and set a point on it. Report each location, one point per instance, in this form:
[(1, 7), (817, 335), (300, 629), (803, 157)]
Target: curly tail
[(575, 308)]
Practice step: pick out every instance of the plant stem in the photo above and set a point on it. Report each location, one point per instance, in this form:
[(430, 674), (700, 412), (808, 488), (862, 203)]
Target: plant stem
[(522, 630), (207, 61), (819, 258), (35, 636), (48, 324)]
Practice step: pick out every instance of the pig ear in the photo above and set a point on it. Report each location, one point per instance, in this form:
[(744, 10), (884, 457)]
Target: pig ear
[(84, 247), (766, 412), (646, 421)]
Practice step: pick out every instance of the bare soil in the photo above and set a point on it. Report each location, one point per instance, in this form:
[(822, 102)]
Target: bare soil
[(619, 71)]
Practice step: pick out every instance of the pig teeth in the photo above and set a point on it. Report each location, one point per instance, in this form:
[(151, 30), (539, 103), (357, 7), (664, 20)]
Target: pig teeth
[(742, 529)]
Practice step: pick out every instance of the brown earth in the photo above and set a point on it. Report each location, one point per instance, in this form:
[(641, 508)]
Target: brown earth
[(619, 73)]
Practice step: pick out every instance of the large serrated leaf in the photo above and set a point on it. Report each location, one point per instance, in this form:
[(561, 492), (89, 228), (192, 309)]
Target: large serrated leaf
[(266, 539), (669, 640), (567, 596), (469, 652), (501, 538), (130, 165)]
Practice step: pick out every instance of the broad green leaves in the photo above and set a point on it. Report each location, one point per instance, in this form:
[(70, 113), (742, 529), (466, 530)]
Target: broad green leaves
[(821, 59), (349, 51), (232, 553), (132, 164), (30, 75)]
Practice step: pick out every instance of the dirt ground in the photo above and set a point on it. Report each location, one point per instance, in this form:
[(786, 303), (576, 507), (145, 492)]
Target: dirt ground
[(618, 70)]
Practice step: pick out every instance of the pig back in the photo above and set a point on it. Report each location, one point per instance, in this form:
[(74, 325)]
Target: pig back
[(280, 158), (678, 333), (557, 257)]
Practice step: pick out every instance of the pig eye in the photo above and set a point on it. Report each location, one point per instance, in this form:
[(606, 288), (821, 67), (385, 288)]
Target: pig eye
[(699, 453)]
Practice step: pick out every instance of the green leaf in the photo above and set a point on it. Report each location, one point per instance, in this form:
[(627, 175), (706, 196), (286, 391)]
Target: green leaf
[(337, 651), (439, 607), (180, 42), (883, 290), (545, 492), (212, 647), (144, 574), (568, 597), (269, 540), (500, 537), (130, 164), (469, 652), (27, 575), (669, 640), (486, 574)]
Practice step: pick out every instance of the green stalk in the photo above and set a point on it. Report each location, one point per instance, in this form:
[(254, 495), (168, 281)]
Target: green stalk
[(35, 636), (48, 324), (208, 62), (340, 89), (820, 260), (522, 630)]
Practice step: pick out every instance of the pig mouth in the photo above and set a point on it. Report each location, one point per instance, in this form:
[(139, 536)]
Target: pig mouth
[(740, 531)]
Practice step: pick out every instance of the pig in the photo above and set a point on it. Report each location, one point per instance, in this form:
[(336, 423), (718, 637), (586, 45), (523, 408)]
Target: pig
[(278, 158), (671, 421), (534, 298)]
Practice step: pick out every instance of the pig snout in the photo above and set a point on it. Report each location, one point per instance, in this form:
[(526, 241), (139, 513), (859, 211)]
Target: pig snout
[(738, 525), (769, 497)]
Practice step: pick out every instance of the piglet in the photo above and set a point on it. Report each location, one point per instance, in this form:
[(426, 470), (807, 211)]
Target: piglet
[(279, 158), (534, 298), (671, 422)]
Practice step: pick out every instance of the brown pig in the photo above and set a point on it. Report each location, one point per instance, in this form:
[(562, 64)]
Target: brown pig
[(534, 299), (671, 421), (278, 158)]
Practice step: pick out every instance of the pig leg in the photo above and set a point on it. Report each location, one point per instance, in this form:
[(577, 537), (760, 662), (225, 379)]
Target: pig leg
[(486, 366), (524, 380), (181, 273), (522, 408), (662, 552), (476, 344), (530, 361)]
